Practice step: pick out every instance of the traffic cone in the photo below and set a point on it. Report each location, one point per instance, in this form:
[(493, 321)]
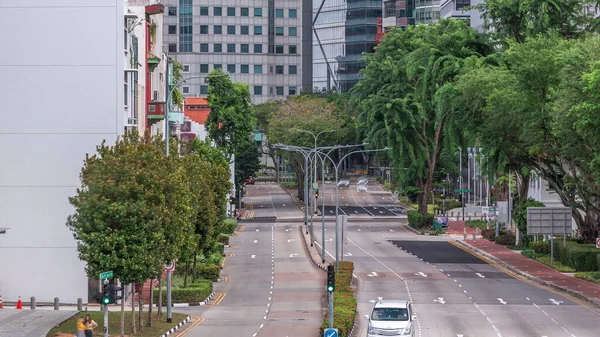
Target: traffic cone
[(19, 303), (0, 301)]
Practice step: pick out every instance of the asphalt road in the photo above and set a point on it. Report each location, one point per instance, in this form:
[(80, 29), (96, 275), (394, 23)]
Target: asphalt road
[(359, 200), (269, 201), (453, 292), (269, 287)]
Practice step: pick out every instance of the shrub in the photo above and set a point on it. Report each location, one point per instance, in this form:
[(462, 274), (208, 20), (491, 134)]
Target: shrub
[(589, 276), (506, 239), (545, 259), (450, 204), (198, 293), (228, 226), (530, 253), (417, 220), (488, 234), (220, 248), (540, 247), (344, 302), (224, 239), (519, 215), (581, 257), (481, 224), (207, 272)]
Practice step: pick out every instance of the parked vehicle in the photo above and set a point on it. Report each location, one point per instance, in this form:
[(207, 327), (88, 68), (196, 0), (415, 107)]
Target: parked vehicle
[(250, 181)]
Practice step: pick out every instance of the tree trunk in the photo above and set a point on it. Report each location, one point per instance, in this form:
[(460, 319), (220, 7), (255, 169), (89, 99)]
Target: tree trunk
[(274, 158), (159, 309), (149, 323), (523, 186), (122, 327), (133, 327), (195, 261), (185, 273), (141, 307)]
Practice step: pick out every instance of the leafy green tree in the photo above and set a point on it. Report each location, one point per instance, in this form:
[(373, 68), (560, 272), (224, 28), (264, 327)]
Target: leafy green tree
[(406, 96), (247, 162)]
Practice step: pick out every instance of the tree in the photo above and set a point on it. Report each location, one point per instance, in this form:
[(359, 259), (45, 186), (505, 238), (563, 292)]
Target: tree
[(407, 92), (177, 98), (263, 113), (247, 162)]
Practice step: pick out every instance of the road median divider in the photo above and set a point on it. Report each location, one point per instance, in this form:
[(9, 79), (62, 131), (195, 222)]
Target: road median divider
[(344, 302)]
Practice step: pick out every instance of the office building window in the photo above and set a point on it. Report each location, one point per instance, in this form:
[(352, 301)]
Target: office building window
[(244, 69), (230, 11), (172, 29), (203, 10), (218, 11), (203, 29), (231, 68), (204, 68), (258, 48), (244, 11), (172, 11), (279, 49), (257, 90), (292, 91), (244, 30), (257, 30), (279, 31), (231, 47), (279, 12), (293, 31), (218, 29), (279, 91), (258, 69), (204, 47), (231, 30), (185, 26), (218, 48), (204, 90), (186, 90), (279, 70), (293, 13), (244, 48), (292, 49), (172, 47), (257, 11), (186, 68), (218, 66), (271, 49), (185, 43), (292, 70)]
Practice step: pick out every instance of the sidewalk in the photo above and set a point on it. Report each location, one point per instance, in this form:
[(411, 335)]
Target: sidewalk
[(529, 268)]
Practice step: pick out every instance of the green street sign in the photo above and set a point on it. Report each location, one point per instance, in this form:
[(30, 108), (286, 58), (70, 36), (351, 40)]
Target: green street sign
[(463, 191), (106, 274)]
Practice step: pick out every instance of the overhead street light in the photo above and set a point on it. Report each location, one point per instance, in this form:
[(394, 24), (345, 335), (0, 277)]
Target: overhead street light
[(3, 230)]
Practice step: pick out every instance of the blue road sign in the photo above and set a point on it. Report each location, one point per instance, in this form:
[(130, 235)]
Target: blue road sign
[(330, 333)]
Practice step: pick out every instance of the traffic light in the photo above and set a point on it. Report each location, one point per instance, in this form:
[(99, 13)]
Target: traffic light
[(330, 278), (443, 196), (317, 193), (106, 294), (114, 294), (492, 192), (231, 200)]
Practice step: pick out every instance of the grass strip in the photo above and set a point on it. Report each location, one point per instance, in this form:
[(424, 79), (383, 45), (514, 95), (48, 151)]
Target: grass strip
[(344, 302)]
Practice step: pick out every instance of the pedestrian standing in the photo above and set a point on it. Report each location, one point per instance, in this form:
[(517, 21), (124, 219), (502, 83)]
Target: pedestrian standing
[(90, 325), (80, 327)]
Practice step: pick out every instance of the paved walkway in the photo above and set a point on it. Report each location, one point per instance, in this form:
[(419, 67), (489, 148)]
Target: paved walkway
[(31, 323), (530, 268)]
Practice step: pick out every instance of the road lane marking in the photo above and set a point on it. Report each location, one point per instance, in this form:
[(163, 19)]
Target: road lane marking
[(421, 274), (255, 241), (292, 255), (440, 300), (555, 301), (372, 274), (199, 320), (501, 301), (479, 274), (253, 256)]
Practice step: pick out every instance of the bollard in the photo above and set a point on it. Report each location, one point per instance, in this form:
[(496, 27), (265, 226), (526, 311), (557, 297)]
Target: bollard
[(465, 233), (475, 234), (32, 303), (79, 304), (56, 303), (469, 218)]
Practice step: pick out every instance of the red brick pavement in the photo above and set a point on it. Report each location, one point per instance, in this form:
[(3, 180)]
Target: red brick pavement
[(538, 270)]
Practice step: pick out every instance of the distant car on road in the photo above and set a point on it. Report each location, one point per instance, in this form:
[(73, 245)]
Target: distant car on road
[(363, 181), (250, 181), (343, 183)]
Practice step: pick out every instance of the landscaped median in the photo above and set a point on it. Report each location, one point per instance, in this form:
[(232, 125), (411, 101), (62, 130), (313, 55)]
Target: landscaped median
[(423, 224), (159, 324), (344, 302)]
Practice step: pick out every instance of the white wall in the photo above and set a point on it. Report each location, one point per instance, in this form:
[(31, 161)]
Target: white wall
[(62, 94)]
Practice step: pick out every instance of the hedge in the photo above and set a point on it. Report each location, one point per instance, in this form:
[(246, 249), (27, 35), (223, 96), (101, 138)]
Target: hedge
[(344, 302), (540, 247), (417, 220), (204, 272), (581, 257), (450, 204), (196, 292), (224, 239), (229, 225), (589, 276)]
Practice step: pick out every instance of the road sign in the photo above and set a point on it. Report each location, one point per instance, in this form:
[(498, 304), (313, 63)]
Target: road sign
[(106, 274), (549, 221), (169, 266), (463, 191), (597, 242), (331, 332)]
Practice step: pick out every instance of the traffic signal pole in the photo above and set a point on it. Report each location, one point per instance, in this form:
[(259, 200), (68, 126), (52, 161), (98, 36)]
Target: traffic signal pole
[(105, 311), (330, 289)]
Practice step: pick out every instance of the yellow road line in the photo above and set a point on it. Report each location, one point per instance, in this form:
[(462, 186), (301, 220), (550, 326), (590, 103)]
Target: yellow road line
[(243, 228), (524, 279), (231, 255), (220, 299), (199, 320), (223, 262)]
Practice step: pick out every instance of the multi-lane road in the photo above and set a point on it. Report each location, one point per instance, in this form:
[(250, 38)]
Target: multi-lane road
[(272, 289)]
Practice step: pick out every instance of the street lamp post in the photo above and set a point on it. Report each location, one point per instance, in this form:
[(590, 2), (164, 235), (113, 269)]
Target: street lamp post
[(460, 173)]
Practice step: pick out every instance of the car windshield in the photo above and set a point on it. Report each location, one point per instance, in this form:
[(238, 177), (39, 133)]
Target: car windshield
[(389, 314)]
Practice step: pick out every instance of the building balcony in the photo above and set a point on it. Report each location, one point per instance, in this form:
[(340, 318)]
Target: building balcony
[(153, 61), (156, 110)]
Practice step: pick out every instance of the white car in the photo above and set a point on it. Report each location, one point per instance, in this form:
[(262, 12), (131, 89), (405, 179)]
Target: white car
[(343, 183), (391, 318)]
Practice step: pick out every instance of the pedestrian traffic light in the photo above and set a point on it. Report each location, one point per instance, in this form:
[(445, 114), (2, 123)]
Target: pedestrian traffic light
[(330, 278), (317, 193), (105, 294), (114, 294)]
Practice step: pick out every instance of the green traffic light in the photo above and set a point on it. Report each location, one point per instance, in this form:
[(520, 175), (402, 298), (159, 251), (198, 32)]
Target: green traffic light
[(330, 289), (106, 300)]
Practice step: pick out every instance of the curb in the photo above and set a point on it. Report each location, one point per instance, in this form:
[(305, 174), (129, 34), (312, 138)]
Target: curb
[(527, 276), (413, 230), (194, 304), (306, 244), (175, 328)]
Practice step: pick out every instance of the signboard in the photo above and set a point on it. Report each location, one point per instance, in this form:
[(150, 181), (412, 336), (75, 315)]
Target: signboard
[(549, 220), (598, 243), (176, 117), (169, 266), (330, 332), (106, 274), (463, 191)]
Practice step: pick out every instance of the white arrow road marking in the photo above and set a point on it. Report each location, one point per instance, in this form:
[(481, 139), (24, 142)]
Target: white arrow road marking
[(342, 197), (372, 274), (262, 206), (479, 274), (381, 212), (421, 274), (356, 212), (330, 211), (257, 230), (501, 301), (253, 256), (458, 335), (255, 241), (292, 255), (372, 301), (555, 301), (347, 254), (287, 229), (291, 240), (358, 229), (347, 205), (440, 300), (391, 230), (283, 205), (374, 207)]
